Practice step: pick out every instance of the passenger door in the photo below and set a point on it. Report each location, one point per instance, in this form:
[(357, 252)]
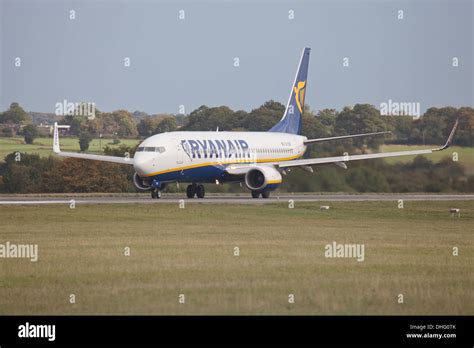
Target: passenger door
[(179, 152)]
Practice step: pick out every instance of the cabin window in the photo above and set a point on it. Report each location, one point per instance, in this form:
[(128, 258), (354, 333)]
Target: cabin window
[(159, 149)]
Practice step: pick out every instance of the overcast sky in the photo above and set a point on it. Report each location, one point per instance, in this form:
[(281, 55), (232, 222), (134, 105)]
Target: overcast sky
[(190, 62)]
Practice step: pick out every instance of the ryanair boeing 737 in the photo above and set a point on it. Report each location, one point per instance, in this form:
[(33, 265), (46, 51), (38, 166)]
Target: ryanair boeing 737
[(257, 159)]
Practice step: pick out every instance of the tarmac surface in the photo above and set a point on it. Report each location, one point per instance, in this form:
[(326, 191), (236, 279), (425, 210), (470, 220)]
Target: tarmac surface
[(229, 199)]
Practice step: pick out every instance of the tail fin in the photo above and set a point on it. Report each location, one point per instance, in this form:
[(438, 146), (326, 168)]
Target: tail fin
[(291, 120)]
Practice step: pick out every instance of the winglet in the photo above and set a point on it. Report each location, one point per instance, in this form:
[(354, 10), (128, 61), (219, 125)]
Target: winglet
[(450, 138), (56, 148)]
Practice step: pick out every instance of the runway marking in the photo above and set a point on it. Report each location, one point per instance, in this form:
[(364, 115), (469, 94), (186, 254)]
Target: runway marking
[(19, 202), (235, 200)]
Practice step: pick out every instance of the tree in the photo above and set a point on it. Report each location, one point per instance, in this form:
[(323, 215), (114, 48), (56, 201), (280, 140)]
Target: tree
[(15, 114), (147, 125), (80, 123), (465, 132), (120, 122), (84, 140), (78, 175), (22, 173), (404, 129), (139, 115), (208, 119), (434, 124), (120, 151), (30, 132), (166, 125), (7, 132), (264, 117), (312, 125), (362, 118)]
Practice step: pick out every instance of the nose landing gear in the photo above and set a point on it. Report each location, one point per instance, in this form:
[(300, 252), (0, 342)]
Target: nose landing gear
[(156, 193), (157, 187), (195, 190)]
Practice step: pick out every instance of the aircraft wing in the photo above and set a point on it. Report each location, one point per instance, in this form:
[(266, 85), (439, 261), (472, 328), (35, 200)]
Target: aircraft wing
[(347, 158), (320, 140), (113, 159), (57, 151)]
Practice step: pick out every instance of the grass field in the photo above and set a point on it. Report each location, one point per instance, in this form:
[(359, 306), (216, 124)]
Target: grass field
[(190, 251), (465, 154), (43, 146)]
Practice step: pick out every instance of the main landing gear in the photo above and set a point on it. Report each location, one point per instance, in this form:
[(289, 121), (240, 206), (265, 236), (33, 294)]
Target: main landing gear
[(195, 190), (264, 193)]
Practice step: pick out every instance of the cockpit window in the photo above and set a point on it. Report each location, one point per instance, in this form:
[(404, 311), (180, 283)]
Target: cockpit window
[(159, 149)]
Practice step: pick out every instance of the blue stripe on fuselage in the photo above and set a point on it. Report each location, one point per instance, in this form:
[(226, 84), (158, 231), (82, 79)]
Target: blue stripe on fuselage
[(199, 174)]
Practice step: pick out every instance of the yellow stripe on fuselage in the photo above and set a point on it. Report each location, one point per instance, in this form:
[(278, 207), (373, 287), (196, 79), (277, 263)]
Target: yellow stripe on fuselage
[(198, 165)]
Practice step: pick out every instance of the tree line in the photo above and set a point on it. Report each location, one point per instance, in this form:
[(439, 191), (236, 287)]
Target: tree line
[(29, 173), (431, 128)]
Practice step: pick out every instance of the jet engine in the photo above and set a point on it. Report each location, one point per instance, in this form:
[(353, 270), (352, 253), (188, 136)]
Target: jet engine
[(143, 184), (258, 178)]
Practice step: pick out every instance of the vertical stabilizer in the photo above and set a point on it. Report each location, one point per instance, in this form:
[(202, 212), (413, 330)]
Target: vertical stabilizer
[(291, 120)]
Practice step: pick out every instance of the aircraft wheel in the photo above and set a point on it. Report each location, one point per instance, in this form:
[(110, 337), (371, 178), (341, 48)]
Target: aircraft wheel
[(255, 194), (265, 194), (156, 194), (191, 191), (200, 191)]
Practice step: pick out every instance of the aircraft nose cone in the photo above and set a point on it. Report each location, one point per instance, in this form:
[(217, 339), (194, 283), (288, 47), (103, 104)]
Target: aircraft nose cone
[(141, 165)]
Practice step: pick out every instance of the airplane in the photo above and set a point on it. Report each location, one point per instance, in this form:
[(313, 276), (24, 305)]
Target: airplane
[(257, 159)]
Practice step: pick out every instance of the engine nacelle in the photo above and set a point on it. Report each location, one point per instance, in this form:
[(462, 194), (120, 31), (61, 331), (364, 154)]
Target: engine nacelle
[(143, 184), (261, 177)]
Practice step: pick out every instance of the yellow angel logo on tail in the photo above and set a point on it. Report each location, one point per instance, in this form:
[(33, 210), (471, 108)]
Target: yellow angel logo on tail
[(299, 90)]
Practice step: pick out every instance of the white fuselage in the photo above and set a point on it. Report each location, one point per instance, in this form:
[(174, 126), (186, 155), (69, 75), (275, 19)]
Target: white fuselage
[(203, 156)]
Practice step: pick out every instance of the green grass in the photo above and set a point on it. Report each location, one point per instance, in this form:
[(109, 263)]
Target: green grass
[(465, 154), (190, 251), (43, 146)]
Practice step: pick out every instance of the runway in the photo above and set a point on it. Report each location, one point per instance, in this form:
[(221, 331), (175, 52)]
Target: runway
[(230, 199)]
